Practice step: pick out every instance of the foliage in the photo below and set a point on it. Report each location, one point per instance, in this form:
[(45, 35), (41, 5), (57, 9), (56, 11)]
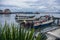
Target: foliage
[(15, 32)]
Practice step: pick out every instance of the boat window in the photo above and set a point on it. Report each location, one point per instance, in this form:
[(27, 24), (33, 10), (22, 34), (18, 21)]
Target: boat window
[(42, 18)]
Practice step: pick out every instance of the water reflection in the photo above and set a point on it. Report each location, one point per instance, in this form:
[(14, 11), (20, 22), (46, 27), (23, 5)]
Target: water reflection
[(7, 15), (9, 18)]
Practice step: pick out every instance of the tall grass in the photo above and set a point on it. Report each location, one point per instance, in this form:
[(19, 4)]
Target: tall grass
[(12, 32)]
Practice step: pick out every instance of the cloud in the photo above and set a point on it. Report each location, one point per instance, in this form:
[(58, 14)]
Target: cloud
[(44, 5), (19, 3)]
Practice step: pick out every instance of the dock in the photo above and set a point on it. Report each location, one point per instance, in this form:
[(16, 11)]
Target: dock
[(54, 32), (54, 35)]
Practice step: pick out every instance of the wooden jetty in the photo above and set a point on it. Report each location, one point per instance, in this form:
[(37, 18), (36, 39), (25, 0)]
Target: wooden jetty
[(55, 34)]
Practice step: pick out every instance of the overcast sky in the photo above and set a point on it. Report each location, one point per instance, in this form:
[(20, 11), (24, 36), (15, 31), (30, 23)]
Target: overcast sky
[(37, 5)]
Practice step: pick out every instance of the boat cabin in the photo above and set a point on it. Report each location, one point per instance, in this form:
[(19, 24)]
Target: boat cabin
[(21, 17)]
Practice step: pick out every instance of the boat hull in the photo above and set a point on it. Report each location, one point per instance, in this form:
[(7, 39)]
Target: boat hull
[(38, 26)]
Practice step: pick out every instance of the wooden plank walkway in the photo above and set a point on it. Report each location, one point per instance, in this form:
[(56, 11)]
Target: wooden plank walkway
[(55, 33), (50, 29)]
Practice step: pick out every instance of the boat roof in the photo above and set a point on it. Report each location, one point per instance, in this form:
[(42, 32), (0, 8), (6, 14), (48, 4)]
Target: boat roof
[(24, 15)]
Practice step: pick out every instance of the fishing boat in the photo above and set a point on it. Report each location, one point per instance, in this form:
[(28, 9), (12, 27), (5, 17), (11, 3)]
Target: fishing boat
[(37, 22)]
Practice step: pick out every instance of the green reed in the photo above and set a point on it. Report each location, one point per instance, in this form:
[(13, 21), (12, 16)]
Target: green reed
[(15, 32)]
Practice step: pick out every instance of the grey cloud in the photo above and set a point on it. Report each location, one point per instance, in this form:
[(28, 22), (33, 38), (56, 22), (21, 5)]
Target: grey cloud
[(51, 5)]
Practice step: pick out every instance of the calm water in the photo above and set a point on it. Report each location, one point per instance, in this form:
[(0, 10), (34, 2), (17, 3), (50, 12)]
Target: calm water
[(10, 18)]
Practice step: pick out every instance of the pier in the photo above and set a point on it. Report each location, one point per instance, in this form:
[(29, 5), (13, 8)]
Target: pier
[(55, 34)]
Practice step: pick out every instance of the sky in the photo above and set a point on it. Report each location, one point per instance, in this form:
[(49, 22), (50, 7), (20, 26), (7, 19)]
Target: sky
[(33, 5)]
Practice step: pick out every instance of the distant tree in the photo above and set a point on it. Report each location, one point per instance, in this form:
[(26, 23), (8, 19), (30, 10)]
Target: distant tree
[(37, 13), (7, 11), (1, 11)]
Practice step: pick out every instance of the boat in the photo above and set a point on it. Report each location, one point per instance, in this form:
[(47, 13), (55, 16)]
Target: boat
[(37, 22), (43, 21), (21, 17)]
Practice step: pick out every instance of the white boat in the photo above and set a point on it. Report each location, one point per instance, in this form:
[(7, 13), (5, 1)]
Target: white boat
[(43, 21), (38, 22), (21, 17)]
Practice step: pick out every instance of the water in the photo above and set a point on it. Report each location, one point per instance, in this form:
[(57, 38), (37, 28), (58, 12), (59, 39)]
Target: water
[(10, 18)]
